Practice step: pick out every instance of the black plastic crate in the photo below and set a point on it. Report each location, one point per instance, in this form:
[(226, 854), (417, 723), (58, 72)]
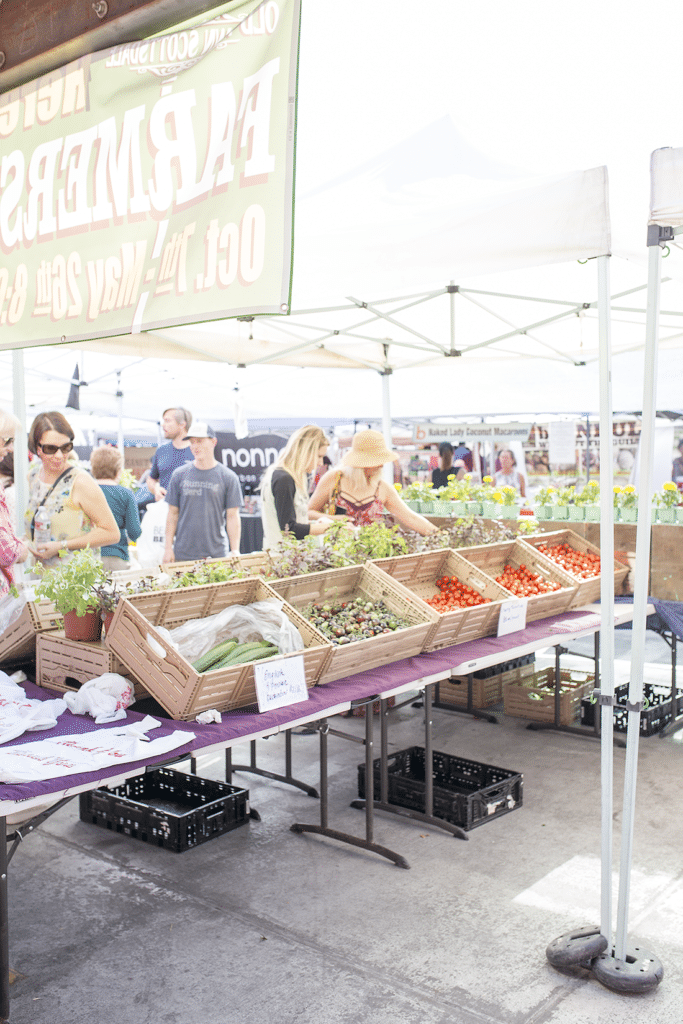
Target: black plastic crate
[(168, 808), (504, 666), (653, 718), (466, 793)]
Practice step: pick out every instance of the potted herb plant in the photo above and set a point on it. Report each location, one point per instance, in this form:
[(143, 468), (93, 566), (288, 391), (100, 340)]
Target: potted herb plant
[(544, 503), (71, 587)]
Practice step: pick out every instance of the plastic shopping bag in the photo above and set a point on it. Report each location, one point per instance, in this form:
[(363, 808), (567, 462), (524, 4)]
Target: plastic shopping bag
[(261, 620), (149, 549)]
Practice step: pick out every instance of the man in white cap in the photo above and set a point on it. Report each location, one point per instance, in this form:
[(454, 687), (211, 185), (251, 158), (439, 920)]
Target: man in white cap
[(204, 500)]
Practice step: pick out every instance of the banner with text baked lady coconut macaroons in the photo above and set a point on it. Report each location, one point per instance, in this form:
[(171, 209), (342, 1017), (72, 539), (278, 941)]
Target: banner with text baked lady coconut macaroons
[(151, 184)]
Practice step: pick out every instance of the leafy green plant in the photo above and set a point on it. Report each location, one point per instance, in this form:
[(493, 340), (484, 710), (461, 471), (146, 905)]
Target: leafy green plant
[(668, 497), (590, 495), (71, 585), (546, 496)]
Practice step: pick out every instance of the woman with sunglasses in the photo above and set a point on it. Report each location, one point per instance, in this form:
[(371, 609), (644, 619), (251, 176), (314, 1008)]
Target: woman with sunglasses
[(74, 503), (12, 550)]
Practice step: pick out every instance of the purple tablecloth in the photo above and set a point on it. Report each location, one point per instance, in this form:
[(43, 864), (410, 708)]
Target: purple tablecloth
[(248, 722)]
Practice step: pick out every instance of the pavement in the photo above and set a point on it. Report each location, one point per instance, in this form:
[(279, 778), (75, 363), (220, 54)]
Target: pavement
[(263, 925)]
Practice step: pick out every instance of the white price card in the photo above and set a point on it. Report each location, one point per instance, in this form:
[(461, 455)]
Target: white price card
[(512, 616), (280, 683)]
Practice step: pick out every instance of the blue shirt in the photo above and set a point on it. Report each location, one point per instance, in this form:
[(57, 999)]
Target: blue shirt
[(167, 458), (122, 504)]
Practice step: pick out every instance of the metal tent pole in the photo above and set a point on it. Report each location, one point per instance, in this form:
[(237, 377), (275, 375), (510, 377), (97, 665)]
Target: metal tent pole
[(20, 441), (640, 587), (606, 595)]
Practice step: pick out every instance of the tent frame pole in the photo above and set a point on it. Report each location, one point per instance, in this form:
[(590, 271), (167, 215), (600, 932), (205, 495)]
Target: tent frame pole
[(606, 595), (640, 591), (20, 441)]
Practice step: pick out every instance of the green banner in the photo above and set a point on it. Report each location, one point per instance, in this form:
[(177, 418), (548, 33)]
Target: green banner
[(151, 184)]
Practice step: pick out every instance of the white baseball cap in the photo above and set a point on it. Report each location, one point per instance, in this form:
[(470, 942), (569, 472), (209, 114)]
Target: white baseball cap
[(200, 430)]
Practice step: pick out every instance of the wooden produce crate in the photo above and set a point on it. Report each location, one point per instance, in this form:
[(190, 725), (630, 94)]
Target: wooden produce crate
[(19, 641), (588, 590), (253, 563), (486, 690), (419, 574), (533, 697), (369, 582), (492, 558), (169, 677), (63, 664)]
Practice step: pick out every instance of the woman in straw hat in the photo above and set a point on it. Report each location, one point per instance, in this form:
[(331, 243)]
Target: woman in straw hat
[(357, 490), (284, 488)]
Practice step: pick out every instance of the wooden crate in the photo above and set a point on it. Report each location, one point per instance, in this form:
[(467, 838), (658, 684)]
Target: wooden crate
[(63, 664), (534, 696), (419, 574), (169, 677), (491, 559), (486, 691), (368, 581), (253, 563), (19, 641), (587, 590)]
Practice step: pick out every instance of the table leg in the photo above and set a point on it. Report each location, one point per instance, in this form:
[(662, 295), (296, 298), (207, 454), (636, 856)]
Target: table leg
[(323, 828), (469, 710), (555, 724), (676, 722), (4, 925), (384, 804), (287, 778)]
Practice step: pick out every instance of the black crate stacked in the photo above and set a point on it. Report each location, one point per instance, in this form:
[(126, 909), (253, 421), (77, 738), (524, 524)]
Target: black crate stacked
[(653, 718), (466, 793)]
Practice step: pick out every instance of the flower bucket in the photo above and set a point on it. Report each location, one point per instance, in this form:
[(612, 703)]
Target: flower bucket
[(666, 515), (509, 511), (459, 508), (82, 627), (414, 505), (577, 513), (560, 511), (426, 507), (592, 513), (490, 509), (473, 508), (679, 514), (627, 515), (443, 508), (544, 512)]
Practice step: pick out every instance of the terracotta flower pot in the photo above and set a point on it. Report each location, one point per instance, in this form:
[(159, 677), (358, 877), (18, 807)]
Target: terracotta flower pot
[(82, 627), (106, 621)]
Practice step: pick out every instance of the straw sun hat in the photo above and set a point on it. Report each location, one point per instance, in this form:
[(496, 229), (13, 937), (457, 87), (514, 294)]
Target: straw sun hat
[(368, 449)]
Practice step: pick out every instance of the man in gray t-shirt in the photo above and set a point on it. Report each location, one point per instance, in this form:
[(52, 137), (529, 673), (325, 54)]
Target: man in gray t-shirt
[(204, 500)]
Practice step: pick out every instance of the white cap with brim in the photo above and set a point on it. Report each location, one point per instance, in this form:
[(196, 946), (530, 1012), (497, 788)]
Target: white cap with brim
[(199, 430)]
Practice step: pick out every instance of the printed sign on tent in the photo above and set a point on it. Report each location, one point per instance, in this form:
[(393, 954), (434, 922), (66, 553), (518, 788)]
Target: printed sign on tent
[(151, 184)]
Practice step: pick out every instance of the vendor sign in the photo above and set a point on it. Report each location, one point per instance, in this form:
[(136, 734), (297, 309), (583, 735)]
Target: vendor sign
[(435, 433), (151, 184)]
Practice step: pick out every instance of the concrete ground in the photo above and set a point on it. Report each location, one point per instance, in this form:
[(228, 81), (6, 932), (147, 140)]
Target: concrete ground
[(262, 925)]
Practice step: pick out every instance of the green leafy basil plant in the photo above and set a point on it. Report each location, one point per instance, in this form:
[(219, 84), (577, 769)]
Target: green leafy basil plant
[(72, 585)]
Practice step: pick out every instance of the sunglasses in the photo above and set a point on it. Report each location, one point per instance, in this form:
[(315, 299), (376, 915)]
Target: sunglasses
[(5, 441), (52, 449)]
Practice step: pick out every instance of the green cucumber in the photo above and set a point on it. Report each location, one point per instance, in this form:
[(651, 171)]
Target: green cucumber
[(216, 653), (257, 655), (252, 645)]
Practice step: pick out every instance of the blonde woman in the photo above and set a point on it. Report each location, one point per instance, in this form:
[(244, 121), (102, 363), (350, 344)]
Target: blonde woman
[(284, 488), (358, 490)]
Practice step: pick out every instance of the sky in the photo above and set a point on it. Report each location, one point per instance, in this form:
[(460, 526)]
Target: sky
[(537, 88)]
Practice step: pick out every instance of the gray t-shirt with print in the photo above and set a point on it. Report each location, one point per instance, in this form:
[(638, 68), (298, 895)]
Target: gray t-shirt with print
[(202, 497)]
